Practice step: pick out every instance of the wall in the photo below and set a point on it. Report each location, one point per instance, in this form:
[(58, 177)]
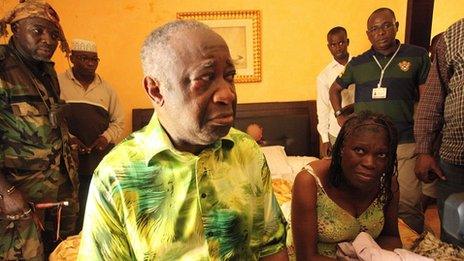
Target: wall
[(445, 13), (293, 39)]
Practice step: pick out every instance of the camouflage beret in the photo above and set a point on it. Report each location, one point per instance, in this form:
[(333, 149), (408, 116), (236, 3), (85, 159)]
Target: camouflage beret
[(30, 9)]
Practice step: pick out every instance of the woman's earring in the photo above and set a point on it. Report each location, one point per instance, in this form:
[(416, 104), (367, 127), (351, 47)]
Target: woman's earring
[(382, 179)]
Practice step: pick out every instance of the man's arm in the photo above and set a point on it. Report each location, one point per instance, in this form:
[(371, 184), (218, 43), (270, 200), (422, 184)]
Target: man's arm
[(282, 255), (323, 114), (429, 116), (116, 126), (423, 74), (335, 93), (271, 226), (12, 199), (103, 235)]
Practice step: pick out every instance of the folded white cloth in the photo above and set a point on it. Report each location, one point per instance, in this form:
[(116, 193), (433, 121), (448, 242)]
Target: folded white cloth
[(365, 248)]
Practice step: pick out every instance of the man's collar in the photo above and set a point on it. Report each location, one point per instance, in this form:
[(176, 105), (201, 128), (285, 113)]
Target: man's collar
[(374, 52), (96, 79), (156, 140), (335, 63)]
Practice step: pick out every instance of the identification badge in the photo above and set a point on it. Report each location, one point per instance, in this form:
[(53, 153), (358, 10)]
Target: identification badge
[(379, 93)]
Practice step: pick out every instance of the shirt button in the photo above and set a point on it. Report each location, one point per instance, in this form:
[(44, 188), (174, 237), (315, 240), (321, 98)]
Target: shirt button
[(203, 195)]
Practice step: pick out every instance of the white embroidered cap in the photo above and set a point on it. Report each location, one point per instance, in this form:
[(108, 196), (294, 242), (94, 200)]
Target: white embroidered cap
[(83, 46)]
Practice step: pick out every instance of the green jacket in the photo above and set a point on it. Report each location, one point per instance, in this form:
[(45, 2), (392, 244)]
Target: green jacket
[(34, 156)]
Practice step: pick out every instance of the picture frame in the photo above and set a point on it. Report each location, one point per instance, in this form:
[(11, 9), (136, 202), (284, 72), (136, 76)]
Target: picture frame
[(242, 32)]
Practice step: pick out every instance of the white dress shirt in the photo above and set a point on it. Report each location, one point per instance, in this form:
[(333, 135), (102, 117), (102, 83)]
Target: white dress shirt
[(327, 123)]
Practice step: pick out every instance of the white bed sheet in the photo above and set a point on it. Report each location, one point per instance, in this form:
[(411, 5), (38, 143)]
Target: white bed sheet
[(296, 163)]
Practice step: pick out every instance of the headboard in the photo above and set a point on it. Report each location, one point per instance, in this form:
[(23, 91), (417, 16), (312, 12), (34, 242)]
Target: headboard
[(291, 124)]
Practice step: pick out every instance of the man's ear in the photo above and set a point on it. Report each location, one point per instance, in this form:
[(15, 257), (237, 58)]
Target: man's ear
[(14, 28), (347, 41), (397, 24), (72, 58), (152, 87)]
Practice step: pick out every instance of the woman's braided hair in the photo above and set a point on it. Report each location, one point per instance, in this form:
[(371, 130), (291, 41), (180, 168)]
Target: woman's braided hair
[(357, 122)]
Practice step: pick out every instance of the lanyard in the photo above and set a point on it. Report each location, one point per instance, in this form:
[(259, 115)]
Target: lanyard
[(382, 70)]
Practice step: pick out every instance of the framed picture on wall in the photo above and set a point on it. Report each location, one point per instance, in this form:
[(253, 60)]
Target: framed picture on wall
[(242, 32)]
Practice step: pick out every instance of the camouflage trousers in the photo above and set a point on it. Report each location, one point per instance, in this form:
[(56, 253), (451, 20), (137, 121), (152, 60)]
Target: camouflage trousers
[(23, 239)]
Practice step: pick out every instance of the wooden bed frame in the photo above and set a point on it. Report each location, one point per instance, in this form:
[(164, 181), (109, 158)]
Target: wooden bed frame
[(290, 124)]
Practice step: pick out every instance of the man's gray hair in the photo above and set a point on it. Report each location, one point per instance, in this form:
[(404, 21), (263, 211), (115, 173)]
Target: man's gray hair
[(155, 53)]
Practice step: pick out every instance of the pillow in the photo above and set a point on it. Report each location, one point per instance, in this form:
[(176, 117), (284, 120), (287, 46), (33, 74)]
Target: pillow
[(298, 162), (276, 160)]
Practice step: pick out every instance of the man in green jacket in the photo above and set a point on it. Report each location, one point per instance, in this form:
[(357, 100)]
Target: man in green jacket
[(36, 165)]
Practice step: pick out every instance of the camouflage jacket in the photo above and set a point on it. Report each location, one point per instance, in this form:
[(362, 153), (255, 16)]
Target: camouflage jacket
[(32, 152)]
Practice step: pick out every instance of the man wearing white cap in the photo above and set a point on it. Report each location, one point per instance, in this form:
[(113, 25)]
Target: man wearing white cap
[(94, 113)]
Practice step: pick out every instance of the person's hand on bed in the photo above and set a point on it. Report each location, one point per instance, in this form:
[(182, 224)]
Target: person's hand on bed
[(325, 150)]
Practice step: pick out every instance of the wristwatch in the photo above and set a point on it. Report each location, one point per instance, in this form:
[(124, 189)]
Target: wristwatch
[(338, 113)]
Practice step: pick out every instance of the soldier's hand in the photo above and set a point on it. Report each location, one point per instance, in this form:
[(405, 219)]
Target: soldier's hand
[(427, 169), (325, 149), (13, 202), (78, 145), (100, 144)]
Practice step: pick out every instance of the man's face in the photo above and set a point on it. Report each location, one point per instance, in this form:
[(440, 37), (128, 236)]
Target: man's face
[(200, 101), (85, 62), (381, 31), (37, 37), (338, 45)]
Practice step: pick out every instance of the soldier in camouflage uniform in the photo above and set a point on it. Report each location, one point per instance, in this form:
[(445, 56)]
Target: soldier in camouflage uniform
[(35, 159)]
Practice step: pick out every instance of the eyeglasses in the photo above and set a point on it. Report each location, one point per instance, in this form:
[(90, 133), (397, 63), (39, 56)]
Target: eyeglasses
[(84, 59), (384, 27)]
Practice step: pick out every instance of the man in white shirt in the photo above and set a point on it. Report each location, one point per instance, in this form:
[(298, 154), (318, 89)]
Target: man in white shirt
[(328, 128), (94, 113)]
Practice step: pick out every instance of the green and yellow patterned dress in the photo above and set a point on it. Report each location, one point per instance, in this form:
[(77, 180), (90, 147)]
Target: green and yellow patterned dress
[(335, 225)]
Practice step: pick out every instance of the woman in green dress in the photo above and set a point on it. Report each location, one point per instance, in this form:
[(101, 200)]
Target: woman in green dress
[(354, 191)]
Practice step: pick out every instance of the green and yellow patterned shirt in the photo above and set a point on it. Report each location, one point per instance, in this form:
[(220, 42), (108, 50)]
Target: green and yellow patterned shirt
[(149, 201)]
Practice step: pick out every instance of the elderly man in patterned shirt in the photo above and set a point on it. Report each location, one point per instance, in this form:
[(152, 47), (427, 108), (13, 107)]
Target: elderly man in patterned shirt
[(187, 186), (35, 159)]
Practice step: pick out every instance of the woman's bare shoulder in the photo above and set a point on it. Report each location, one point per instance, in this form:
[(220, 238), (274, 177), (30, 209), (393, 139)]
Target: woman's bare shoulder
[(321, 168)]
